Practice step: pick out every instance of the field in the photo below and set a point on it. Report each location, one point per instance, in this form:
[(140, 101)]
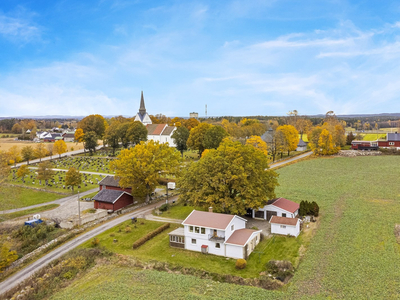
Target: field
[(373, 136), (353, 255), (5, 217), (7, 143)]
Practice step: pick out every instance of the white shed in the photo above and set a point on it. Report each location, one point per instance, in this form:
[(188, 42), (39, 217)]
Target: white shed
[(285, 226)]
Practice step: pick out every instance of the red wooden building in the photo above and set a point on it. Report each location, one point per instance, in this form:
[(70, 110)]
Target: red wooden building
[(111, 196), (392, 140), (364, 145)]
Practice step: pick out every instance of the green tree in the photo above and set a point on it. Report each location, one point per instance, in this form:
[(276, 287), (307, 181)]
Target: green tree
[(196, 137), (123, 129), (73, 177), (60, 147), (213, 137), (111, 136), (230, 179), (40, 151), (45, 171), (141, 167), (7, 257), (137, 132), (22, 172), (180, 137), (90, 141), (27, 153)]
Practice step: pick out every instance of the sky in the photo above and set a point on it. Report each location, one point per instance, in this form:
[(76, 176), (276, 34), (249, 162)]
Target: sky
[(240, 58)]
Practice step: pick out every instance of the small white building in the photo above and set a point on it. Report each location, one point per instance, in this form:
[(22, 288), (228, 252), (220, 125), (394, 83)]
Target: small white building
[(214, 233), (285, 226), (301, 146), (280, 207)]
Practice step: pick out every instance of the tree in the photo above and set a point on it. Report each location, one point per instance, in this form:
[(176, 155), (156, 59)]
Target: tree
[(27, 153), (258, 144), (137, 132), (60, 147), (196, 137), (190, 123), (141, 167), (4, 168), (40, 151), (22, 172), (73, 177), (14, 154), (213, 137), (350, 137), (50, 150), (180, 137), (325, 144), (291, 137), (7, 257), (230, 179), (123, 133), (45, 171), (111, 137), (94, 123), (79, 135), (90, 141)]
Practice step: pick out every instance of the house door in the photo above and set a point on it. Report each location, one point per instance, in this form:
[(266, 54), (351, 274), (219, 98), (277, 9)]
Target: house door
[(215, 233), (270, 214)]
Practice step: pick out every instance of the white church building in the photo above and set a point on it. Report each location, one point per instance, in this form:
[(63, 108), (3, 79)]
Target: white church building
[(156, 132)]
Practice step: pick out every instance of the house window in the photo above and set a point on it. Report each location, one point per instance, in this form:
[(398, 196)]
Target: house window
[(284, 215), (203, 230), (391, 143), (193, 241), (217, 245), (283, 226), (197, 229), (191, 228), (232, 227)]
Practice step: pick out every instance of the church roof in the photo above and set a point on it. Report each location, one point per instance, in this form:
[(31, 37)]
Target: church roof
[(142, 109), (168, 130)]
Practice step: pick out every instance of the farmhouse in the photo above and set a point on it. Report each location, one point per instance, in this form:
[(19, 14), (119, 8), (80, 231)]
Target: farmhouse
[(280, 207), (69, 136), (285, 226), (111, 195), (214, 233), (392, 140)]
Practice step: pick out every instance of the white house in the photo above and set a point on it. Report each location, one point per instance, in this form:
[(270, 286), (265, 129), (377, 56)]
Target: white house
[(214, 233), (285, 226), (280, 207), (161, 133)]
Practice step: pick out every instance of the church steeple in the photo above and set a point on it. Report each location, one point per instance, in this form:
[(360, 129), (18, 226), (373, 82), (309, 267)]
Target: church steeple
[(142, 109)]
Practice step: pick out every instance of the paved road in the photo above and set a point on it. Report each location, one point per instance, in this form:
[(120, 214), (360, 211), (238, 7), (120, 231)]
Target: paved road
[(25, 273), (284, 162), (58, 201)]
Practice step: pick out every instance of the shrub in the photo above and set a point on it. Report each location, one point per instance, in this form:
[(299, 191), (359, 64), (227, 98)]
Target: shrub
[(128, 229), (149, 236), (164, 207), (95, 242), (240, 264), (308, 208)]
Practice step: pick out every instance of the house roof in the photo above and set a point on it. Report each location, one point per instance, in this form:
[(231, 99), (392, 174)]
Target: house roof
[(393, 137), (301, 143), (168, 130), (208, 219), (155, 129), (109, 196), (268, 136), (69, 135), (240, 236), (109, 181), (179, 231), (285, 204), (284, 220)]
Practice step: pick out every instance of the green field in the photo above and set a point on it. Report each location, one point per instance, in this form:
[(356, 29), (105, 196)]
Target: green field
[(353, 255), (5, 217)]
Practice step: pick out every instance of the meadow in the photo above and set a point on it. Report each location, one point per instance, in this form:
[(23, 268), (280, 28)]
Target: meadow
[(353, 254), (7, 143)]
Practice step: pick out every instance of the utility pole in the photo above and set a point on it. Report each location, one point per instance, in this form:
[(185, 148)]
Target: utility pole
[(79, 210)]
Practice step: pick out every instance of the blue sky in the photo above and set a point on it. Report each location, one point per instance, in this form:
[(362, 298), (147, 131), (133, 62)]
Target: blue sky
[(238, 57)]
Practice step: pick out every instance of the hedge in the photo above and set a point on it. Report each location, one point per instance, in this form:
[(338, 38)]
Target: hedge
[(150, 235)]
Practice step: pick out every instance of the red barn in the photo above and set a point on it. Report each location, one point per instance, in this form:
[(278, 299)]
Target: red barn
[(110, 183), (112, 199), (364, 145), (392, 140)]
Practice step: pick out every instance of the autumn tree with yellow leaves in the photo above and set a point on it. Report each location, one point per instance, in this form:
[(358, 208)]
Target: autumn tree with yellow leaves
[(230, 179), (258, 143), (142, 166), (60, 147), (290, 138)]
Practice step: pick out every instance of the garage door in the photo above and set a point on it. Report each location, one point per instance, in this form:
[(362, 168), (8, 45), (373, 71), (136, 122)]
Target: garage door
[(270, 214), (259, 214)]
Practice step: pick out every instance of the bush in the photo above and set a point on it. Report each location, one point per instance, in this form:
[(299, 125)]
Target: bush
[(308, 209), (164, 207), (128, 229), (149, 236), (95, 242), (281, 269), (241, 264)]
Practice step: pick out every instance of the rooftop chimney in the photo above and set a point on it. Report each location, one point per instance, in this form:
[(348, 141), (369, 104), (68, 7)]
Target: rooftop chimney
[(210, 209)]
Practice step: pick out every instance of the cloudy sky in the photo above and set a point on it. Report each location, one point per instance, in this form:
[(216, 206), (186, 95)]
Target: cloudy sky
[(250, 57)]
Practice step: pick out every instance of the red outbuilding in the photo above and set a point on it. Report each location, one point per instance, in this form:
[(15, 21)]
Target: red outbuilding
[(112, 199)]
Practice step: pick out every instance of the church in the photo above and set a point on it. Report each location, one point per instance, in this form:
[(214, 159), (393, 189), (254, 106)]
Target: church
[(156, 132)]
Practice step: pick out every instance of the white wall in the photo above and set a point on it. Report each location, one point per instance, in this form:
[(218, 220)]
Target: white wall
[(234, 251), (279, 211), (238, 223), (203, 239), (292, 230)]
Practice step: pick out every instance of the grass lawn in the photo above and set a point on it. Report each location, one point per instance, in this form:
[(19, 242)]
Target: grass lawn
[(16, 197), (5, 217), (373, 136), (178, 211)]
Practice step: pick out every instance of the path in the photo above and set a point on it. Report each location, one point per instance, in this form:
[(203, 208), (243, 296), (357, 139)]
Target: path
[(58, 201), (25, 273), (150, 217), (284, 162)]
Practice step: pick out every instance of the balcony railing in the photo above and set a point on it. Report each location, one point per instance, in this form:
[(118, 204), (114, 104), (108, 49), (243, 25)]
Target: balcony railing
[(217, 238)]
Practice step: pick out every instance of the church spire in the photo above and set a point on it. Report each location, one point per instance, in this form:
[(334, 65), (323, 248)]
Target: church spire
[(142, 109)]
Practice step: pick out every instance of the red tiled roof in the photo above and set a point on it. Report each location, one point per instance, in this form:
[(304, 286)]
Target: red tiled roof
[(155, 129), (168, 130), (240, 236), (208, 219), (286, 204), (284, 220)]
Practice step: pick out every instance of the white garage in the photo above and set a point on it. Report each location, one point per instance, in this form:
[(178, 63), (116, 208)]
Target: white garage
[(285, 226)]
